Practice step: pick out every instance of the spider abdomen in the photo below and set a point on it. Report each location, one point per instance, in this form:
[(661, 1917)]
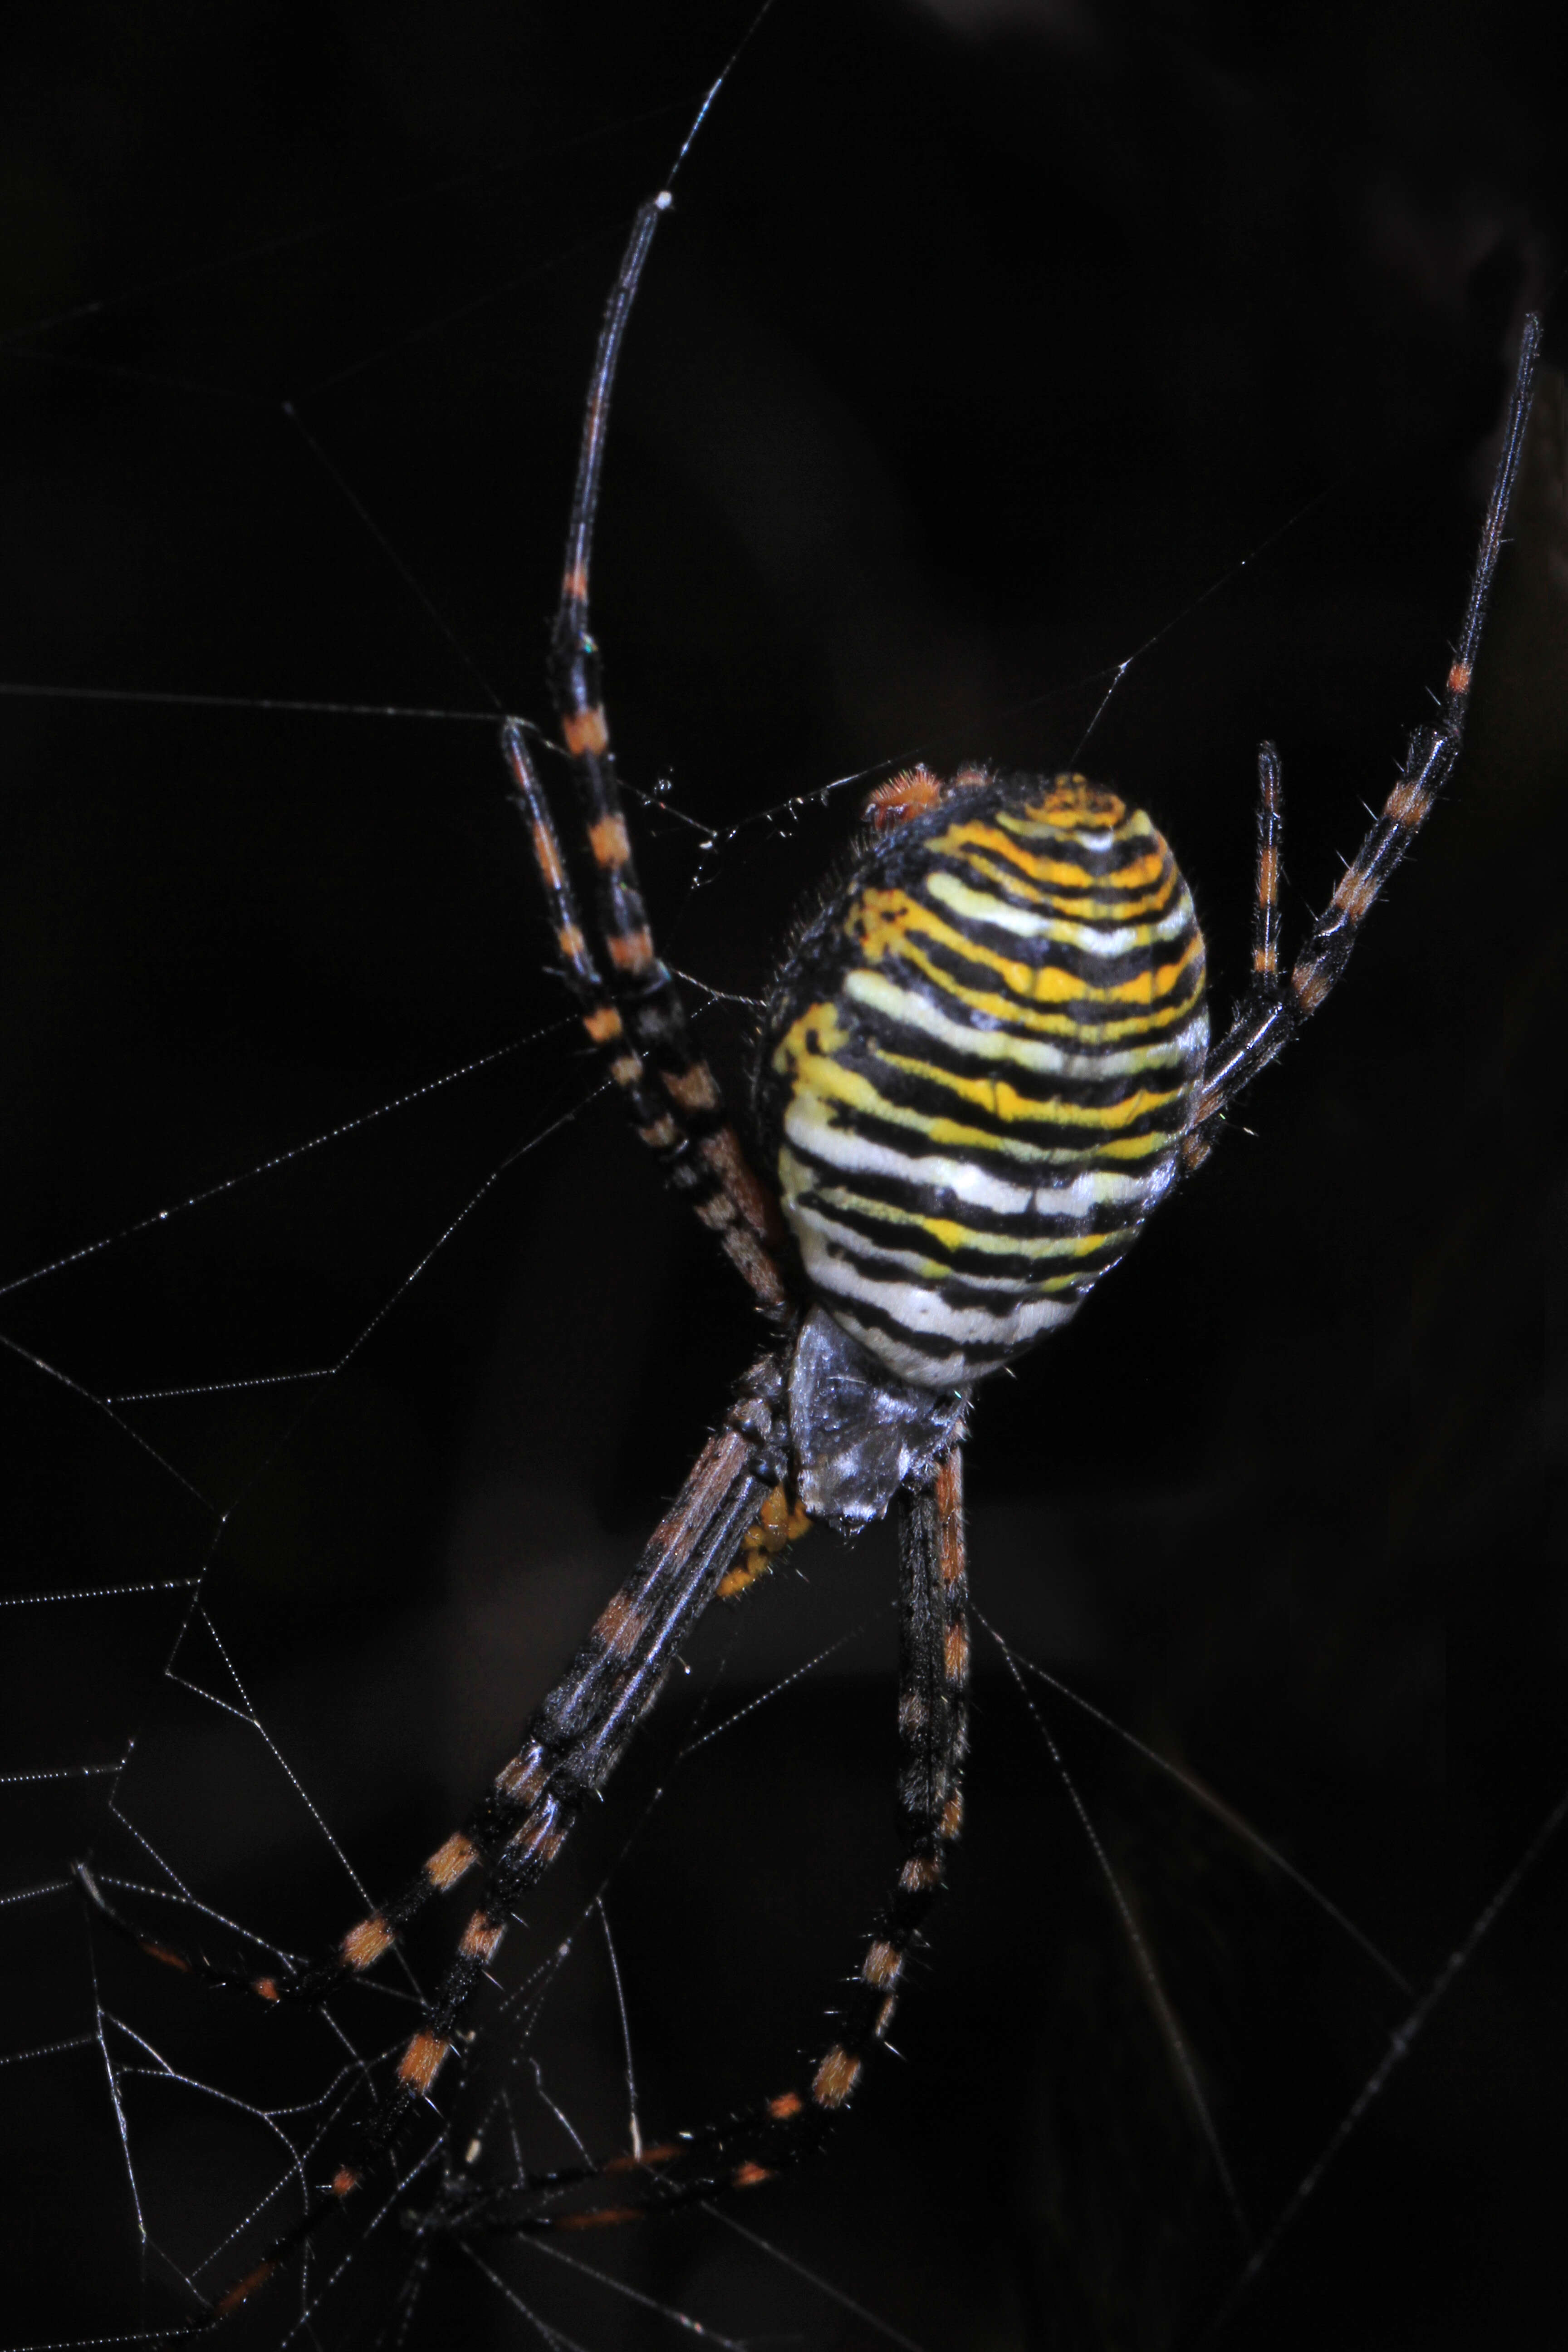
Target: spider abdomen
[(978, 1065)]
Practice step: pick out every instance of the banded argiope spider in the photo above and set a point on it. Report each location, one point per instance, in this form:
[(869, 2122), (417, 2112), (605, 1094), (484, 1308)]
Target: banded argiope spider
[(984, 1063)]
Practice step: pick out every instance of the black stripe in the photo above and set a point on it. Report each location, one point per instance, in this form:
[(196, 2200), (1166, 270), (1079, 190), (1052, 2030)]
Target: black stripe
[(1027, 1275), (940, 1201)]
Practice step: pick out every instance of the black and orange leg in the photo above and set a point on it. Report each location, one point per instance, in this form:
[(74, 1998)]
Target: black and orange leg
[(1266, 883), (758, 2143), (1265, 1026), (1262, 998), (574, 1742), (641, 985), (684, 1152)]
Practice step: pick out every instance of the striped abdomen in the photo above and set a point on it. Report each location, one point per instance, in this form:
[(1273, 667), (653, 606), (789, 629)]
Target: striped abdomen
[(977, 1066)]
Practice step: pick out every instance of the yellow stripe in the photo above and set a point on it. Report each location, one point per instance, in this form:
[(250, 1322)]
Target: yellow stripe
[(960, 837), (1004, 1101), (1008, 1014), (884, 920), (816, 1072), (1086, 910)]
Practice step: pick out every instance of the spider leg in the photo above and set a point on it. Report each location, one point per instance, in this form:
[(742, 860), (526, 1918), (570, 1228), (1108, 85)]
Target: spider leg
[(642, 988), (666, 1129), (575, 1738), (1266, 890), (1271, 1016), (752, 2146)]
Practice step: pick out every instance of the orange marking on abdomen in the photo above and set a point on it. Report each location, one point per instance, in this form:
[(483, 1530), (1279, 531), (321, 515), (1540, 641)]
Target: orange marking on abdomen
[(450, 1862), (951, 1820), (956, 1652), (748, 2175), (787, 2104), (584, 732), (1073, 801), (363, 1945), (345, 2180), (421, 2061), (601, 2217), (603, 1024), (265, 1987)]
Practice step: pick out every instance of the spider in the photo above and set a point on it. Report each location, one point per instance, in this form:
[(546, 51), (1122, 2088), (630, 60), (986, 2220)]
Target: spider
[(983, 1065)]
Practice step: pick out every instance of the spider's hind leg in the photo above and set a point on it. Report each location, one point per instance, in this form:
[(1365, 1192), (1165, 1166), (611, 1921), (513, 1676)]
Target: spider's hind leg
[(760, 2141)]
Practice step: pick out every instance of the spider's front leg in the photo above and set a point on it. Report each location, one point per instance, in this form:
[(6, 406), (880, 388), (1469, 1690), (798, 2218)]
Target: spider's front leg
[(633, 1007), (1273, 1014)]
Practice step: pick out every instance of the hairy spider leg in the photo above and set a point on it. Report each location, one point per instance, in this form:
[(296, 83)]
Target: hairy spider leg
[(761, 2141), (643, 988), (574, 1740), (1266, 889), (659, 1120), (1272, 1013)]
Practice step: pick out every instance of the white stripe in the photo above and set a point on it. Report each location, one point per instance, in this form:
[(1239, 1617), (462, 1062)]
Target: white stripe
[(920, 1308), (841, 1148), (930, 1271), (906, 1364), (1092, 939), (1062, 840)]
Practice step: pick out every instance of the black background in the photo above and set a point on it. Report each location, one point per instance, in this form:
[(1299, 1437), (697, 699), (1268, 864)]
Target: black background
[(983, 346)]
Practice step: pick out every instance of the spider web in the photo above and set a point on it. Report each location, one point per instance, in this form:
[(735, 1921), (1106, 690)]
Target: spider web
[(350, 1351)]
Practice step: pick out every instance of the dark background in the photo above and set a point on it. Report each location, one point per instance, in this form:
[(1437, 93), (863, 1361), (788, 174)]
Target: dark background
[(986, 347)]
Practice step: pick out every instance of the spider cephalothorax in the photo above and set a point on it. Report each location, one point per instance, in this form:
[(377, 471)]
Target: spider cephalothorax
[(983, 1065), (976, 1068)]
